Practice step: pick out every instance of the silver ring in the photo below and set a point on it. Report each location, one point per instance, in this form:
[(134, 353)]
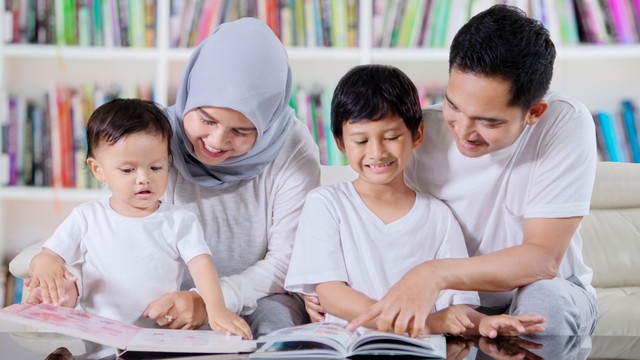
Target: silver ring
[(169, 318)]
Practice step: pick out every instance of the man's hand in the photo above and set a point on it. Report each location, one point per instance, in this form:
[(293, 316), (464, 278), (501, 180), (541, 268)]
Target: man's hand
[(406, 305), (178, 310), (314, 309)]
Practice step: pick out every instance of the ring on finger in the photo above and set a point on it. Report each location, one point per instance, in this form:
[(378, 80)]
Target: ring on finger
[(169, 318)]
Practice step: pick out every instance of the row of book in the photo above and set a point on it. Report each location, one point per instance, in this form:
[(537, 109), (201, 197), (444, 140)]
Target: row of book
[(433, 23), (43, 141), (618, 133), (311, 23), (110, 23), (306, 23)]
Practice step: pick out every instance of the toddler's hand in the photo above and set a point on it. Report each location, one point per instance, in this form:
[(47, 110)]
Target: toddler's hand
[(226, 322), (510, 325), (48, 275)]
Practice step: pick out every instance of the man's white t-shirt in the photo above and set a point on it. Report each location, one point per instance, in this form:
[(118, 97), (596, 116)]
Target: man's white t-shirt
[(128, 262), (340, 239), (548, 172)]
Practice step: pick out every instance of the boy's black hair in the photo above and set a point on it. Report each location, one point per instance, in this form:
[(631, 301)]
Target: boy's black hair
[(372, 92), (118, 118), (503, 42)]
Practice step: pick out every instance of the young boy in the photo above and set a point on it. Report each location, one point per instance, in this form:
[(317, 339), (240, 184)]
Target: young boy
[(133, 246), (355, 240)]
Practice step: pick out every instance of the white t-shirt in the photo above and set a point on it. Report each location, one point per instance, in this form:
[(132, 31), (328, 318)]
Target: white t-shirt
[(548, 172), (251, 227), (128, 262), (340, 239)]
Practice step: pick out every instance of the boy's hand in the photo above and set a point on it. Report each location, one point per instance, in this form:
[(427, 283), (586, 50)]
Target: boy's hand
[(48, 275), (510, 325), (314, 309), (226, 322), (451, 320)]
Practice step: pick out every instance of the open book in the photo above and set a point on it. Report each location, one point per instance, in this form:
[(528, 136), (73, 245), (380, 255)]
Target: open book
[(120, 335), (327, 340)]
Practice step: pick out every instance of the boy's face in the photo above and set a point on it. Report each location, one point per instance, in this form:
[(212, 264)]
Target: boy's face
[(477, 115), (379, 150), (135, 169), (218, 134)]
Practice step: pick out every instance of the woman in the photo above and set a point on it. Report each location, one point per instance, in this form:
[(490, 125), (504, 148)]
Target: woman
[(244, 164)]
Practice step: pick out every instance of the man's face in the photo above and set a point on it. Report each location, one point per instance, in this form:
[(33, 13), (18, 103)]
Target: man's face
[(478, 116)]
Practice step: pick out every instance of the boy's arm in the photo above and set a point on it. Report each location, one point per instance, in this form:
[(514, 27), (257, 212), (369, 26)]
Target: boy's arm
[(341, 300), (206, 279), (48, 275), (407, 303)]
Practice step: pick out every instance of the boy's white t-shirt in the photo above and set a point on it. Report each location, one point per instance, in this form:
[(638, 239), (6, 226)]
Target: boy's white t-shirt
[(340, 239), (547, 173), (128, 262)]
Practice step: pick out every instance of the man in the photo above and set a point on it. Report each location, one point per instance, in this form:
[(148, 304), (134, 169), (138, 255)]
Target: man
[(516, 164)]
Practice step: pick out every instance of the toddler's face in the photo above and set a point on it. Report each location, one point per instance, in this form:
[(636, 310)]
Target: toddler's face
[(218, 134), (136, 170)]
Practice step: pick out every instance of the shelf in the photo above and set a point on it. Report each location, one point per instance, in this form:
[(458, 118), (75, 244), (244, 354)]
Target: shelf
[(78, 53), (50, 194)]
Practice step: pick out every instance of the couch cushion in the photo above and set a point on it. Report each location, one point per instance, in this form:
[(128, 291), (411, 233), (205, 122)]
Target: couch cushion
[(611, 231), (619, 313)]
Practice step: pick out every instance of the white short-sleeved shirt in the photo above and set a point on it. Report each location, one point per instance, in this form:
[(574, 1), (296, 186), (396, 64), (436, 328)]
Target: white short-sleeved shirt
[(128, 262), (340, 239), (548, 172)]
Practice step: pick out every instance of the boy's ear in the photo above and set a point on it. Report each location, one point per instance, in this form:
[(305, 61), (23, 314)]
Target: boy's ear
[(419, 136), (339, 144), (536, 112), (95, 167)]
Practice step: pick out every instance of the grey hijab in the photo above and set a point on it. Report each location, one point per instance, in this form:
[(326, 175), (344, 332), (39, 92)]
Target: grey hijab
[(243, 66)]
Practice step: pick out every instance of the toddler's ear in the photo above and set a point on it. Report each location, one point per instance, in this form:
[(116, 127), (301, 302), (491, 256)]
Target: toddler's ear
[(95, 168)]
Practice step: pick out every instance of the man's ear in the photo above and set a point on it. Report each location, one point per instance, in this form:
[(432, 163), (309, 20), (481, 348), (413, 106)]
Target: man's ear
[(536, 112), (96, 168), (339, 144)]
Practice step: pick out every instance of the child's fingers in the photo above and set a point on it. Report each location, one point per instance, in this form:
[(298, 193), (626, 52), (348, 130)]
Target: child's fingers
[(69, 276)]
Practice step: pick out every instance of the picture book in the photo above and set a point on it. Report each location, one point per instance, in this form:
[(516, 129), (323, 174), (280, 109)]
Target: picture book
[(120, 335), (328, 340)]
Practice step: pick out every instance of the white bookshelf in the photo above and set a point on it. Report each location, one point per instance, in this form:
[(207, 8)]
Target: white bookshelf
[(600, 76)]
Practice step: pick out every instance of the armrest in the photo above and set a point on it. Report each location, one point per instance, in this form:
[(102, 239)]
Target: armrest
[(19, 266)]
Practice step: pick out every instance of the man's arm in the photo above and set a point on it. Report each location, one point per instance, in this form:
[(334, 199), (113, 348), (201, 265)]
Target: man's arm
[(341, 300), (407, 303)]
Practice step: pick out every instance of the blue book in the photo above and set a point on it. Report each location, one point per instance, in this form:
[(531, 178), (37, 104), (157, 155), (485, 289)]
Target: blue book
[(610, 136), (628, 116)]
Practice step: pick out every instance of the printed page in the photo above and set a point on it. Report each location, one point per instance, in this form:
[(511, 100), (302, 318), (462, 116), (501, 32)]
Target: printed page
[(375, 342), (71, 322), (193, 341)]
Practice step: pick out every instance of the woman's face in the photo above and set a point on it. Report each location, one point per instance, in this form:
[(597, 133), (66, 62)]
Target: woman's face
[(218, 134)]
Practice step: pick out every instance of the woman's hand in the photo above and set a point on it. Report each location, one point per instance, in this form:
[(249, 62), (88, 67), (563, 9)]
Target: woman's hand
[(178, 310), (314, 309)]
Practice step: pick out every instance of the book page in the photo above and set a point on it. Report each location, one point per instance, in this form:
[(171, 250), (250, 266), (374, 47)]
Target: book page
[(193, 341), (71, 322), (372, 342), (330, 334)]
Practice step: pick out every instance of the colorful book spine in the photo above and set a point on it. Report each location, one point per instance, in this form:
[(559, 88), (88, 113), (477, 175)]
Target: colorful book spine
[(629, 115), (610, 136)]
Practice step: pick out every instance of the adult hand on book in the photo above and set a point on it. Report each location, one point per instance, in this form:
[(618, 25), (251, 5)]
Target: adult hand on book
[(178, 310)]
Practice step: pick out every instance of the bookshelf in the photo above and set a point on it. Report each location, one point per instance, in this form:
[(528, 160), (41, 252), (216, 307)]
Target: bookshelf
[(598, 75)]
